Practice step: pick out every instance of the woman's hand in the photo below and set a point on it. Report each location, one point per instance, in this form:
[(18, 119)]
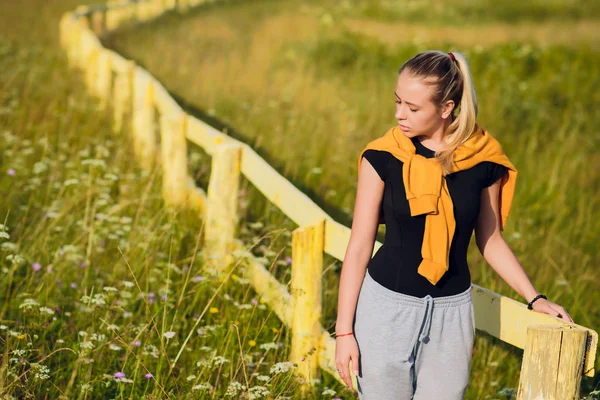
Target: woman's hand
[(346, 350), (550, 308)]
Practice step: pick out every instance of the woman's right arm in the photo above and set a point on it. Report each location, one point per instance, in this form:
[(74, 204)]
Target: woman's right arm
[(369, 194)]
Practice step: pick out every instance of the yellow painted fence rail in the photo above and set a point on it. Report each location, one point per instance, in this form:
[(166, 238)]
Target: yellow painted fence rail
[(556, 354)]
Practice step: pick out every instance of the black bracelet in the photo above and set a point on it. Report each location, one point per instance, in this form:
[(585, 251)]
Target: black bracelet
[(539, 296)]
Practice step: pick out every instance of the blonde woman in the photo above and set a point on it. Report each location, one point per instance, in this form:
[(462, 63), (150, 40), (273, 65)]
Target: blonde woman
[(405, 321)]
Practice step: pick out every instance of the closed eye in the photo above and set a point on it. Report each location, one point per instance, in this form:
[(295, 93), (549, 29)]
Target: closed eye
[(398, 102)]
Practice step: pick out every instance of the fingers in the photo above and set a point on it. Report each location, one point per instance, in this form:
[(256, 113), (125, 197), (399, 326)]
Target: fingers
[(561, 313), (343, 371)]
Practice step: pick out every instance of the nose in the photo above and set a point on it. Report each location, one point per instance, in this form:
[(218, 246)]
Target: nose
[(400, 113)]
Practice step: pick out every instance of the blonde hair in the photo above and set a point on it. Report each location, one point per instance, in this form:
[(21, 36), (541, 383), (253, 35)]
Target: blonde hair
[(451, 80)]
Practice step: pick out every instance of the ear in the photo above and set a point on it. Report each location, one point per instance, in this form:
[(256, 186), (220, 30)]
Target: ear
[(447, 109)]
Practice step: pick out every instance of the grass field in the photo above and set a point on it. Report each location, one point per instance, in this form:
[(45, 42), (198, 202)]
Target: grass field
[(104, 293)]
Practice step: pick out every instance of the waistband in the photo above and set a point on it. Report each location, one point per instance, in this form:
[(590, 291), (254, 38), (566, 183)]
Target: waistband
[(444, 301)]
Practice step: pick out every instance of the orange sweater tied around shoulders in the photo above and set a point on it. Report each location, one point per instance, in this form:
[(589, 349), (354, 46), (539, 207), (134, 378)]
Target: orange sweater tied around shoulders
[(427, 190)]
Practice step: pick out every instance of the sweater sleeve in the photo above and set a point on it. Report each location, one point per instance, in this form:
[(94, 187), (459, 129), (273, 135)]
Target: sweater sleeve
[(378, 159), (494, 172)]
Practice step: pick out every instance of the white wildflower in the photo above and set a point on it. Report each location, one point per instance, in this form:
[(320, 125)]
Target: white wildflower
[(234, 389), (281, 367), (258, 392), (114, 347), (203, 386), (169, 335), (46, 310)]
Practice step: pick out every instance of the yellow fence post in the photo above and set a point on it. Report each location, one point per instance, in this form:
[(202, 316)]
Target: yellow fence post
[(306, 287), (552, 363), (173, 155), (91, 70), (122, 95), (221, 214), (144, 128), (104, 79), (98, 21)]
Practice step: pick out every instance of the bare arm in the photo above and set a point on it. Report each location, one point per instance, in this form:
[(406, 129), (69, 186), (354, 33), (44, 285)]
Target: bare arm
[(496, 252), (360, 246)]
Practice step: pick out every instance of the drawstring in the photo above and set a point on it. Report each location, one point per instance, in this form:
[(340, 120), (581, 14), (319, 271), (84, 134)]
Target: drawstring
[(423, 336), (423, 333)]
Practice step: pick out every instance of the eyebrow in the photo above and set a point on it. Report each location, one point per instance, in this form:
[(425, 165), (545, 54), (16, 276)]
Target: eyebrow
[(416, 105)]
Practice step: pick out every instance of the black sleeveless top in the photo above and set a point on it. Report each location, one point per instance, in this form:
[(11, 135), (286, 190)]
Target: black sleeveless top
[(395, 264)]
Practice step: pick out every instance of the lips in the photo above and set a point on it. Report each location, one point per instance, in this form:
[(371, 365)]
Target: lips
[(404, 128)]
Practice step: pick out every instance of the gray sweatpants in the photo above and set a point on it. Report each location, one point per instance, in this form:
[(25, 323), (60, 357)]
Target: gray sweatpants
[(410, 347)]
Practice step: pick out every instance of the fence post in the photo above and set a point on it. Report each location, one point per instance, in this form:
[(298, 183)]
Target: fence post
[(552, 363), (98, 21), (91, 70), (144, 129), (104, 79), (173, 155), (122, 94), (221, 212), (306, 289)]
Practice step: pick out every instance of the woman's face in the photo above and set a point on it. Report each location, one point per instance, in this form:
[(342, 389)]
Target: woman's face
[(415, 113)]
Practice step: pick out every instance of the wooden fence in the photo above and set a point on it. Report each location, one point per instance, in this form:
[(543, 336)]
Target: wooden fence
[(556, 354)]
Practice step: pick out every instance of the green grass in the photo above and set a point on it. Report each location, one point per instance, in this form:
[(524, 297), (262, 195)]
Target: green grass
[(101, 284), (92, 261), (478, 12)]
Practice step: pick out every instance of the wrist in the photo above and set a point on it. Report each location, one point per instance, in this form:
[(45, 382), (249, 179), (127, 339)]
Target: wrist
[(535, 300)]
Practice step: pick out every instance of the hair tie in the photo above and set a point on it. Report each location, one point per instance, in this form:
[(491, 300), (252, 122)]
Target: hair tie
[(452, 56)]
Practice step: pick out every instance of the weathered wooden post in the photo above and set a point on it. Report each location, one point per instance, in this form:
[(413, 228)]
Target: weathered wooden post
[(104, 78), (122, 95), (221, 214), (173, 155), (183, 6), (66, 31), (552, 363), (98, 21), (306, 289), (91, 69), (144, 128)]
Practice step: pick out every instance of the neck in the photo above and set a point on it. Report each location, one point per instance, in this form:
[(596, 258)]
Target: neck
[(435, 141)]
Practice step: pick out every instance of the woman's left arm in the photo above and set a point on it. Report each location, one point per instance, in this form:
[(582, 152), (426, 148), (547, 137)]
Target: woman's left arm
[(496, 252)]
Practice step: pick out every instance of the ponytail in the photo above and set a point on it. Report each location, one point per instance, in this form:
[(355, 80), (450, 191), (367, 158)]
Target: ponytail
[(452, 81)]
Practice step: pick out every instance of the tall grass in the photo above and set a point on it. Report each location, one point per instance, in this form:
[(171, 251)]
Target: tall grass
[(308, 93), (103, 291)]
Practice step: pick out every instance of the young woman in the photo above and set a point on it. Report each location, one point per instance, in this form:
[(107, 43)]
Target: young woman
[(405, 317)]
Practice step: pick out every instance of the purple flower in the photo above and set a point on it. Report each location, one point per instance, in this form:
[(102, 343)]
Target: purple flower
[(163, 296), (73, 285), (11, 172), (136, 343), (148, 376), (254, 301), (151, 297), (83, 265), (197, 278), (119, 375), (36, 266), (185, 268), (288, 260)]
